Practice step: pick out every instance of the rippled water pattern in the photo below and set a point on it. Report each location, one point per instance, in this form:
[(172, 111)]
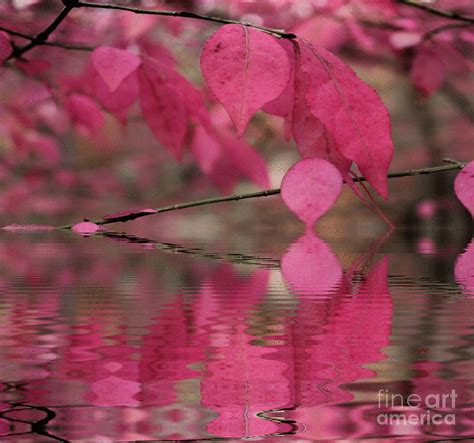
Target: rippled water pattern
[(122, 338)]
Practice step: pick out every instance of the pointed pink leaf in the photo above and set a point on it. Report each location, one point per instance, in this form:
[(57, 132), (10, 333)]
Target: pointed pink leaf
[(5, 47), (312, 138), (114, 64), (427, 71), (246, 159), (464, 268), (310, 188), (85, 228), (84, 112), (283, 104), (310, 267), (351, 111), (464, 187), (119, 101), (244, 69), (163, 108), (206, 149)]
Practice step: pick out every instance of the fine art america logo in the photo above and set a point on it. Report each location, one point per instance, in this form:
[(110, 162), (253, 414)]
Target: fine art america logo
[(415, 409)]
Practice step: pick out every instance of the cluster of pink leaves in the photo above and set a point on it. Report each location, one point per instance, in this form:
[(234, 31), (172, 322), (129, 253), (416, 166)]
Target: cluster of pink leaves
[(378, 27), (329, 112)]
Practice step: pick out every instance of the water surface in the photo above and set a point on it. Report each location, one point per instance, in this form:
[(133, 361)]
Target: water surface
[(123, 338)]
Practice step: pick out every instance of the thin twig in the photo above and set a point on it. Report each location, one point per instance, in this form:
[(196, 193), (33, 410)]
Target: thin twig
[(43, 36), (453, 164), (47, 43), (185, 14), (439, 12), (439, 29)]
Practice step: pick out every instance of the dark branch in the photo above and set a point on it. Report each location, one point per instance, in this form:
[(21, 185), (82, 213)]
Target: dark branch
[(452, 164), (439, 12), (43, 36), (185, 14), (46, 43)]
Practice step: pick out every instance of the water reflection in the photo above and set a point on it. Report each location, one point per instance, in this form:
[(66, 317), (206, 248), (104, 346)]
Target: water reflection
[(140, 340)]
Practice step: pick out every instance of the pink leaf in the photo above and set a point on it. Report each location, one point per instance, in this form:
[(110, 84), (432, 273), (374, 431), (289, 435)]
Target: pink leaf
[(114, 64), (464, 187), (310, 188), (163, 109), (311, 136), (427, 71), (5, 47), (464, 268), (283, 104), (244, 69), (119, 101), (310, 267), (206, 149), (247, 160), (84, 112), (351, 111), (85, 228)]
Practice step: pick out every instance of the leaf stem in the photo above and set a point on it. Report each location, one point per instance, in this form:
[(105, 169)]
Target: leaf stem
[(277, 32), (452, 165), (438, 12)]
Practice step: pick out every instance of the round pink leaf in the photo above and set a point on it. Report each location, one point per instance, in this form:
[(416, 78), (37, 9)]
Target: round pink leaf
[(244, 68), (114, 65), (464, 187), (310, 188), (85, 228)]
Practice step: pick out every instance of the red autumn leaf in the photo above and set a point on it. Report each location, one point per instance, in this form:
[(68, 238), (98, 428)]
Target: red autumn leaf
[(246, 159), (283, 104), (433, 62), (84, 112), (119, 101), (351, 111), (464, 187), (244, 69), (206, 149), (225, 158), (310, 188), (162, 107), (114, 65), (5, 47), (427, 71), (312, 138)]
